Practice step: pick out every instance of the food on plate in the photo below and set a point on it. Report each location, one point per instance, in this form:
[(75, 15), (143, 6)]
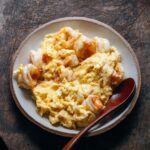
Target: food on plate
[(71, 76)]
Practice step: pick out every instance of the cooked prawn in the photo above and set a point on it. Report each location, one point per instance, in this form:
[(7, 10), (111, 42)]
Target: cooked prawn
[(101, 43), (28, 75), (35, 57), (116, 78), (94, 103), (71, 60), (84, 47)]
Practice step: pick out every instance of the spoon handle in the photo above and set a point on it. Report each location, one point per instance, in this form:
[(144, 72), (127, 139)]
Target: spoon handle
[(71, 143), (124, 91)]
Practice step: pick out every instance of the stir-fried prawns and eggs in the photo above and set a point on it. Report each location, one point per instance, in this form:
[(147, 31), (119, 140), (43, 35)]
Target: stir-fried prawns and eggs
[(71, 76)]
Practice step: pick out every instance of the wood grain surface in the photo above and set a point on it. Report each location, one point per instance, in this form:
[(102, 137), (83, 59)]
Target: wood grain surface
[(130, 18)]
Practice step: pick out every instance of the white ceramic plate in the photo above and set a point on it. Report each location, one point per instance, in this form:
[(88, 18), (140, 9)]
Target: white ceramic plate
[(90, 28)]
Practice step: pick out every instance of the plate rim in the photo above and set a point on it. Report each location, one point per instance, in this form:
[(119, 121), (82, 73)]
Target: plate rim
[(61, 133)]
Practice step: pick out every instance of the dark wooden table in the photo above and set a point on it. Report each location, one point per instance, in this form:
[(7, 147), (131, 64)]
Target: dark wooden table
[(130, 18)]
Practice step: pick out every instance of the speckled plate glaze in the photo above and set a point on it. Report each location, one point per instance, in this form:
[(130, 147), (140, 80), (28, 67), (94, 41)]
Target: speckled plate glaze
[(90, 28)]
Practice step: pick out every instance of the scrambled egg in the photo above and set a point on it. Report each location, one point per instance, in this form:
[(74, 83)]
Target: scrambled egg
[(71, 77)]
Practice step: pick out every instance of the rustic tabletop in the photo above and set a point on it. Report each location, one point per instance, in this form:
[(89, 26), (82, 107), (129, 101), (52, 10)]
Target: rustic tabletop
[(130, 18)]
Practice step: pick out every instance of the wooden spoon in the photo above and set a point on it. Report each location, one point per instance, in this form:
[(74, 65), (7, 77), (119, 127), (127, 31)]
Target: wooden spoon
[(120, 95)]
